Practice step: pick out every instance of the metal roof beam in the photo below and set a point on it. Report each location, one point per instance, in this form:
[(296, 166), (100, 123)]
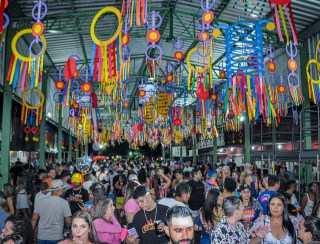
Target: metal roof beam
[(310, 30)]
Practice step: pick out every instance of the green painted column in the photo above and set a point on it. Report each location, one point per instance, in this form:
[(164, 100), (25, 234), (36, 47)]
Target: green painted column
[(42, 139), (194, 147), (6, 112), (6, 128), (215, 150), (181, 158), (70, 147), (163, 148), (77, 151), (170, 153), (304, 57), (60, 135), (247, 141)]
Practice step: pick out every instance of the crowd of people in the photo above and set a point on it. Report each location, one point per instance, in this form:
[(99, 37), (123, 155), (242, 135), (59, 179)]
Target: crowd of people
[(141, 201)]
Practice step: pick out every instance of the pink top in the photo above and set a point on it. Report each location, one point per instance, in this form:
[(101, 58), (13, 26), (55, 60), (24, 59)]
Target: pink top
[(107, 232), (131, 206)]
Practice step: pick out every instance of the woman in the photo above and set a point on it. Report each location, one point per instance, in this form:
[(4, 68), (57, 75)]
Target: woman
[(251, 207), (316, 206), (161, 184), (131, 207), (209, 215), (309, 230), (308, 199), (82, 229), (107, 226), (230, 229), (281, 228), (118, 188), (9, 191), (235, 175), (18, 225), (22, 202), (96, 191)]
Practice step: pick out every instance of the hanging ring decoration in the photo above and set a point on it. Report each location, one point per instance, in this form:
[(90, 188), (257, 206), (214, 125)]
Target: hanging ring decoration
[(208, 6), (153, 46), (125, 54), (14, 44), (178, 43), (94, 22), (28, 106), (199, 70), (153, 24), (58, 97), (37, 7), (84, 74), (85, 101), (6, 23)]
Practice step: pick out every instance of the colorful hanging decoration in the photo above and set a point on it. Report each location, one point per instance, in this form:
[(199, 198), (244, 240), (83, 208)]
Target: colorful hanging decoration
[(106, 55), (29, 69), (293, 78), (277, 7), (153, 36), (135, 11), (4, 21), (245, 90), (125, 65), (314, 84), (31, 115)]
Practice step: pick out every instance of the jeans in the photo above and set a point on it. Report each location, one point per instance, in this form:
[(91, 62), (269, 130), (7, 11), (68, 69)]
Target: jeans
[(47, 241)]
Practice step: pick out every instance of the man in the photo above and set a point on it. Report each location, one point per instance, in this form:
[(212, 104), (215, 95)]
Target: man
[(51, 175), (197, 196), (3, 214), (274, 186), (44, 192), (181, 196), (144, 219), (309, 230), (53, 211), (65, 177), (76, 196), (179, 225)]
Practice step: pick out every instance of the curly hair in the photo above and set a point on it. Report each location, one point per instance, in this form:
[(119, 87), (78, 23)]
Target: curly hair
[(17, 239), (21, 226)]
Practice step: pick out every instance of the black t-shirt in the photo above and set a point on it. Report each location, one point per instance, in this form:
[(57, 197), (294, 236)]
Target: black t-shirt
[(146, 230), (197, 196), (82, 193)]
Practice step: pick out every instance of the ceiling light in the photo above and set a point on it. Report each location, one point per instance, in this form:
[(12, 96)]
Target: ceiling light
[(279, 146), (241, 118), (254, 16)]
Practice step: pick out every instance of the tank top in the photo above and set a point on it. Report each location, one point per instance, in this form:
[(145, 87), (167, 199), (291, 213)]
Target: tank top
[(309, 206)]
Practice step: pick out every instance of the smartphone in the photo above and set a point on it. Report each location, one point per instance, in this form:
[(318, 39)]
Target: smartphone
[(133, 231)]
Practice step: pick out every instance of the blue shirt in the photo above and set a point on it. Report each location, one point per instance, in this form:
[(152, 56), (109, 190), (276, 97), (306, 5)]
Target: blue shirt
[(264, 199), (3, 217)]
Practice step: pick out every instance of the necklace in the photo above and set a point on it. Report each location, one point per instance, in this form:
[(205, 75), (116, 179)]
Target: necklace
[(73, 192), (150, 221)]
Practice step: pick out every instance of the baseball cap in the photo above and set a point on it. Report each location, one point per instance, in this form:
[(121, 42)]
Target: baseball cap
[(57, 184), (76, 178), (244, 186), (133, 177)]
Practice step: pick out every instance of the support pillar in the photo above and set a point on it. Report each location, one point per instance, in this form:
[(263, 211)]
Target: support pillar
[(181, 158), (6, 113), (42, 139), (86, 149), (77, 151), (70, 147), (60, 135), (194, 137), (215, 150), (170, 153), (247, 141), (304, 57), (6, 128), (163, 147)]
